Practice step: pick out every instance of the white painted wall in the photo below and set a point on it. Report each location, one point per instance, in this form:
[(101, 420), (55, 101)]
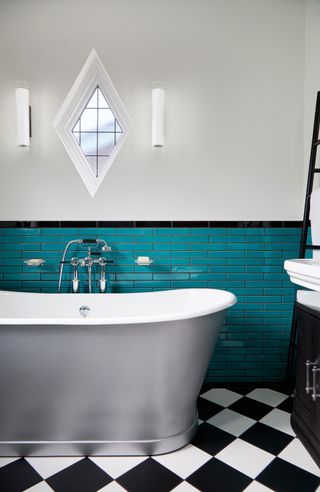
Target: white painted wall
[(234, 76), (312, 76)]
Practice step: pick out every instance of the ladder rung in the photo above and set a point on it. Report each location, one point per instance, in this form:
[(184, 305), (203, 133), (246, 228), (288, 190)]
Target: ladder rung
[(310, 246), (316, 170), (317, 142)]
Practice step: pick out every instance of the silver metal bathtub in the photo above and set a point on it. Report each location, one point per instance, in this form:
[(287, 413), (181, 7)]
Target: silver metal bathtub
[(119, 384)]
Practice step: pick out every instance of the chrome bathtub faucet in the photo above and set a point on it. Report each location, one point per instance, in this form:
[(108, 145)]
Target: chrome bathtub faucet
[(88, 262)]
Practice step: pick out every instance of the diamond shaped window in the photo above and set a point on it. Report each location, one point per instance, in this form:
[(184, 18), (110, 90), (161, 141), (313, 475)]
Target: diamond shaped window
[(97, 131), (92, 123)]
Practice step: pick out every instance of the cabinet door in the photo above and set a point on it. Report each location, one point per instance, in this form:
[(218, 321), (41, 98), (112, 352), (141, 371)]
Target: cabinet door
[(308, 329)]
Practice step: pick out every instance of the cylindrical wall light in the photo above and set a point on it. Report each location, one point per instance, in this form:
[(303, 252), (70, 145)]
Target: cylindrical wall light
[(158, 98), (23, 114)]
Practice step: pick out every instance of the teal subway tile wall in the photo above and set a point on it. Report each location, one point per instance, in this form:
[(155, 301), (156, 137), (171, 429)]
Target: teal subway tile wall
[(253, 342)]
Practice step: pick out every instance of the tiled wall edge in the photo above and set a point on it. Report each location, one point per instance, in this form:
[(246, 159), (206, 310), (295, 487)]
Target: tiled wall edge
[(153, 223)]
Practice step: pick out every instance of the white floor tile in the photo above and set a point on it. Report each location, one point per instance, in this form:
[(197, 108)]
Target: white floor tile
[(245, 458), (46, 467), (257, 487), (112, 487), (117, 465), (40, 487), (232, 422), (296, 454), (185, 461), (278, 420), (185, 487), (268, 396), (6, 461), (221, 396)]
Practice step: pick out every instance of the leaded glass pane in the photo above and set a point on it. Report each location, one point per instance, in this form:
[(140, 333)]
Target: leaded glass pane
[(97, 131), (89, 120), (106, 143), (106, 120), (93, 102), (89, 143), (102, 101)]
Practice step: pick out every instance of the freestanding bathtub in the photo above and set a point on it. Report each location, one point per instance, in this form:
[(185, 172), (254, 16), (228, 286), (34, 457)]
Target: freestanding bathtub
[(123, 380)]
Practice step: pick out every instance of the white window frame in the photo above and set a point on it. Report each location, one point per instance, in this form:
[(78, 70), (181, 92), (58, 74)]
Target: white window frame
[(92, 74)]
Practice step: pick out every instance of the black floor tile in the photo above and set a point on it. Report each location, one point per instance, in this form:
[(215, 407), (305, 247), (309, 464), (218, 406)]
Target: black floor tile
[(83, 476), (284, 477), (18, 476), (286, 405), (217, 476), (207, 409), (211, 439), (267, 438), (149, 476), (251, 408)]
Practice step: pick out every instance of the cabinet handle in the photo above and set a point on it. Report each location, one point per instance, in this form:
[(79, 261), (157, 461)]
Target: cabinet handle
[(314, 395), (313, 388), (308, 388)]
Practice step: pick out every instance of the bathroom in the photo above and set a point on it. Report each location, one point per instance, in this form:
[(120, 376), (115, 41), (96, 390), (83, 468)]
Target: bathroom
[(201, 191)]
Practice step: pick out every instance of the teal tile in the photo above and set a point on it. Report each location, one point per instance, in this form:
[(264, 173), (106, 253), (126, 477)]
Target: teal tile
[(10, 284), (283, 231), (143, 231), (170, 247), (190, 239), (21, 247), (226, 254), (209, 246), (274, 276), (126, 231), (10, 269), (265, 269), (282, 246), (190, 254), (105, 232), (132, 246), (190, 284), (198, 231), (246, 261), (208, 261), (245, 276), (227, 284), (246, 246), (227, 239), (172, 231), (152, 284), (148, 239), (208, 276), (10, 254), (190, 269), (227, 269), (134, 276), (50, 231), (246, 231), (11, 239), (16, 231), (170, 276), (21, 276)]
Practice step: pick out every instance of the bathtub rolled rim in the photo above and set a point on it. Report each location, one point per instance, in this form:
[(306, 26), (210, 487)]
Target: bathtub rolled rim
[(220, 300)]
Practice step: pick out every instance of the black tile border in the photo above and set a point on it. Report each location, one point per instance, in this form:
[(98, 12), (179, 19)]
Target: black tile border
[(149, 223)]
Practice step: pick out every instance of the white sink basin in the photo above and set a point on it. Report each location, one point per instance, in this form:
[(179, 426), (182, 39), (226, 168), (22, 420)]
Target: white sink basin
[(304, 272)]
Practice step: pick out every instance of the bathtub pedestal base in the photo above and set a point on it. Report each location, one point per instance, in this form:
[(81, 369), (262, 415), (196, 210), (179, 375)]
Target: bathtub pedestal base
[(99, 448)]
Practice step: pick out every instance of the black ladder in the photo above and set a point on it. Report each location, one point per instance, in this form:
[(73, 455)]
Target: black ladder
[(304, 231)]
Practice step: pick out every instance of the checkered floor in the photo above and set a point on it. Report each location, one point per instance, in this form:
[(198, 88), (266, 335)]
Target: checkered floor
[(244, 442)]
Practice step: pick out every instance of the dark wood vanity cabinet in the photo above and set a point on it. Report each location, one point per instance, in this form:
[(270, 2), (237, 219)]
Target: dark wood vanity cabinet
[(305, 418)]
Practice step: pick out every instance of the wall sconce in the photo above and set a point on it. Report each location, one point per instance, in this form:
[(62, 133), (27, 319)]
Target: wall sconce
[(158, 99), (23, 115)]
